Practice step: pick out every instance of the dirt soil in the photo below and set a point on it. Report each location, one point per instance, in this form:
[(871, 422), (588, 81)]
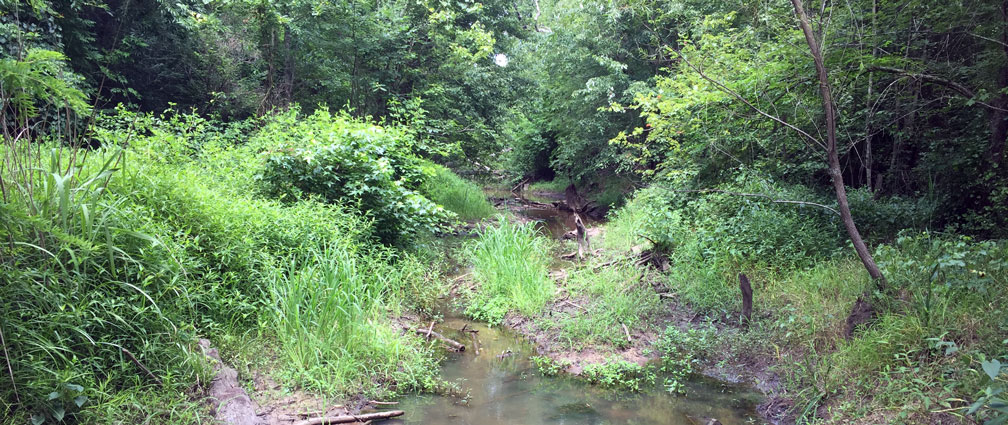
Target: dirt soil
[(269, 403)]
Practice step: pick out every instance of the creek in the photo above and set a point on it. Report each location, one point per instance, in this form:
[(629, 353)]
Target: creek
[(500, 384)]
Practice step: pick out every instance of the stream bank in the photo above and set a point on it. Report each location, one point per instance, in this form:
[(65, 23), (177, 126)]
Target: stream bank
[(740, 383)]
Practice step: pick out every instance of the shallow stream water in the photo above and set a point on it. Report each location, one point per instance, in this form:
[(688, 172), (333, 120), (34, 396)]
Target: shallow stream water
[(502, 386)]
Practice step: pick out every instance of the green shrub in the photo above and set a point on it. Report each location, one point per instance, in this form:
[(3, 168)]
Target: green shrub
[(510, 265), (351, 163), (456, 194), (680, 351), (619, 373)]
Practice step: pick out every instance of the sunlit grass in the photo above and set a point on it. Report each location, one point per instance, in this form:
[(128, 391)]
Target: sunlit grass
[(510, 264), (331, 337), (457, 195)]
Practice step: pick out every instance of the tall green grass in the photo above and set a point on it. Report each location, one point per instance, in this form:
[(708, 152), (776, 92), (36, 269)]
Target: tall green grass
[(148, 247), (331, 334), (456, 194), (510, 264)]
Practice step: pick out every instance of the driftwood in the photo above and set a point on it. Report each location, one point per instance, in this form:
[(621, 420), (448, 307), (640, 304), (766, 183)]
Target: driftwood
[(428, 333), (343, 419)]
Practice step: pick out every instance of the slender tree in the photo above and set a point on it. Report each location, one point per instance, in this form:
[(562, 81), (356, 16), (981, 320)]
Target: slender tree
[(832, 158)]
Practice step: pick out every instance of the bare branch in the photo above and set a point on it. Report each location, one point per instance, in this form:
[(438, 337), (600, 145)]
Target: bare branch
[(959, 88), (759, 195)]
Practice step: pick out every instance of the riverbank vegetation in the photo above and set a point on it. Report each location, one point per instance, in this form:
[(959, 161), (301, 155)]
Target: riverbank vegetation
[(283, 178)]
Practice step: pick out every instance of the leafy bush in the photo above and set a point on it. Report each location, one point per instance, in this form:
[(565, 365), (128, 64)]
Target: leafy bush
[(456, 194), (510, 264), (680, 351), (351, 163)]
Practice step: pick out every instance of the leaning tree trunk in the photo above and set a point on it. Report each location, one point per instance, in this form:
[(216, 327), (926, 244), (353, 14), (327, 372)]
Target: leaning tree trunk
[(831, 149)]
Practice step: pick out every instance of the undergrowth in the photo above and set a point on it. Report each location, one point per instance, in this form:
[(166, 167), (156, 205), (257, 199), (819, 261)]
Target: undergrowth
[(158, 237), (926, 355), (510, 263), (456, 194)]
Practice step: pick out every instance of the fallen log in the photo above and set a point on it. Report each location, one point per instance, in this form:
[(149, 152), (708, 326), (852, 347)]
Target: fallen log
[(428, 333), (343, 419)]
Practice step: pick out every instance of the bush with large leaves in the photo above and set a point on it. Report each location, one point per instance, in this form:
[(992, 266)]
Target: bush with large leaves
[(353, 163)]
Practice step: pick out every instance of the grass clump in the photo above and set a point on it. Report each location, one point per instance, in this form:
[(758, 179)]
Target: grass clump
[(456, 194), (510, 264), (611, 297), (328, 324)]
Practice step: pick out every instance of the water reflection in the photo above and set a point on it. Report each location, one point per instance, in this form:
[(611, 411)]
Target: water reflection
[(506, 389)]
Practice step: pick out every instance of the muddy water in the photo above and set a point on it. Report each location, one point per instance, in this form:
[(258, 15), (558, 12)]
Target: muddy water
[(502, 386)]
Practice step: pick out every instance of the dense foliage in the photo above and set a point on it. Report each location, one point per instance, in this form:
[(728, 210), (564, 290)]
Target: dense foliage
[(273, 174)]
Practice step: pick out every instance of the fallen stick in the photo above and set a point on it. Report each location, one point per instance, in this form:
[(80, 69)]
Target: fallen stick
[(452, 344), (342, 419), (140, 365), (568, 302), (475, 343)]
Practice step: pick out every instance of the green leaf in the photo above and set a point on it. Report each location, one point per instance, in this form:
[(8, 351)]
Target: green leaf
[(992, 368), (58, 413)]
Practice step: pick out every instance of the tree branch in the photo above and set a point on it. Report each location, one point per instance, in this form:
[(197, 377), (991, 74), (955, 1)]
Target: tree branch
[(942, 81), (808, 137), (759, 195)]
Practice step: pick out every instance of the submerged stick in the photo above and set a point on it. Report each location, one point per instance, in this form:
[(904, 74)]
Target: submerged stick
[(452, 344), (342, 419)]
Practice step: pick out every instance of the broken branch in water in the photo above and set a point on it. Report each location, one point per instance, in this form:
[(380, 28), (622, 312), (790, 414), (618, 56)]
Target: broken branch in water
[(452, 344), (342, 419)]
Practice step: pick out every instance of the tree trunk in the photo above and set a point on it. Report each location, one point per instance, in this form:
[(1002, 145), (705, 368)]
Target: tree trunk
[(868, 104), (999, 119), (831, 149)]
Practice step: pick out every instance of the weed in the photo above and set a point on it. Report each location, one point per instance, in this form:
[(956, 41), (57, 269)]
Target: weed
[(619, 373)]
